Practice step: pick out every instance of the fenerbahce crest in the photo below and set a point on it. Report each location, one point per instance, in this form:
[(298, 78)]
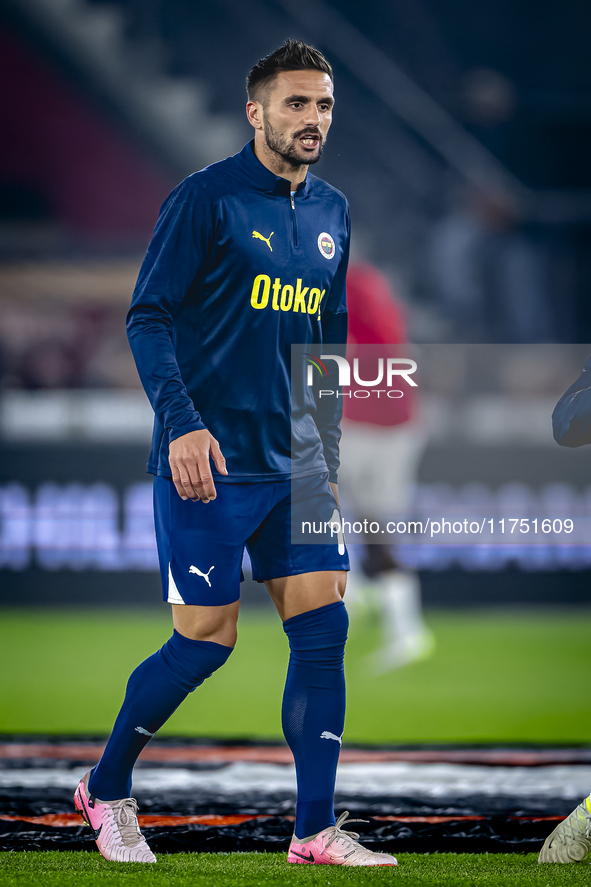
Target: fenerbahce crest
[(326, 245)]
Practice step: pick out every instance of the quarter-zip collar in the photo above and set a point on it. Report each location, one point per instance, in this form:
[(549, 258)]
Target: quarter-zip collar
[(262, 178)]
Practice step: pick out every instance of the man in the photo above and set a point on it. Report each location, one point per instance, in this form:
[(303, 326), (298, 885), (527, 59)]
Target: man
[(571, 423), (571, 419), (383, 443), (248, 256)]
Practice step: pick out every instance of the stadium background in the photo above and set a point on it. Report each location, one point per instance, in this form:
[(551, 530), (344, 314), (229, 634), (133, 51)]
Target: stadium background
[(460, 139)]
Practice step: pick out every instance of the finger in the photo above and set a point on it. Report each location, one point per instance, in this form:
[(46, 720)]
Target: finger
[(205, 486), (218, 457), (188, 486), (179, 487), (194, 479), (181, 480)]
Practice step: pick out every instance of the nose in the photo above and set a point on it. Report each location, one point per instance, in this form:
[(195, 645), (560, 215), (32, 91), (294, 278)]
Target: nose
[(312, 115)]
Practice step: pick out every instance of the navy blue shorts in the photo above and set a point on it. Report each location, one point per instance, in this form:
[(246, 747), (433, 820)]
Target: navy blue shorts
[(201, 546)]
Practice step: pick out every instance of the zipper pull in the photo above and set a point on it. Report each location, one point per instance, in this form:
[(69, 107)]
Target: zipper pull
[(292, 201)]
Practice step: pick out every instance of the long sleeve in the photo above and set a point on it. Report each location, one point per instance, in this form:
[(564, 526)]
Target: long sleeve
[(175, 258), (334, 340), (571, 419)]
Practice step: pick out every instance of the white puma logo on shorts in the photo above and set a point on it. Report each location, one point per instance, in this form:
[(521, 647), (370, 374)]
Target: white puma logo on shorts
[(328, 735), (205, 576), (143, 731)]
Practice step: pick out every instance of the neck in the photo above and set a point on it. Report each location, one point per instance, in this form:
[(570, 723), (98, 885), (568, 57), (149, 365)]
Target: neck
[(278, 165)]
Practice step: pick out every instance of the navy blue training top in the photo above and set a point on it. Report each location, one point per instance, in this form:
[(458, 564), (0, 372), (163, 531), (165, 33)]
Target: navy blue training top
[(571, 419), (237, 271)]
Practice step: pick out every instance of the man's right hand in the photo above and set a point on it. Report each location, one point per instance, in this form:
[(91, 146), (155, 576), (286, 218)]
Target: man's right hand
[(189, 457)]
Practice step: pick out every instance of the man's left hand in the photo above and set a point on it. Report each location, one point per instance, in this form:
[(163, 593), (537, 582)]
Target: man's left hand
[(335, 491)]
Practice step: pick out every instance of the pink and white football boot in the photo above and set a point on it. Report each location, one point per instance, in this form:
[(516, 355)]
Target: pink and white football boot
[(114, 826), (334, 846)]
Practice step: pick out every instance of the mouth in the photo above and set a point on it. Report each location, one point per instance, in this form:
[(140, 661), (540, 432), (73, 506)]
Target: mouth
[(309, 141)]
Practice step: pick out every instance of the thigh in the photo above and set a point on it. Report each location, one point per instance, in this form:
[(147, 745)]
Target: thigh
[(200, 545), (316, 566), (293, 595)]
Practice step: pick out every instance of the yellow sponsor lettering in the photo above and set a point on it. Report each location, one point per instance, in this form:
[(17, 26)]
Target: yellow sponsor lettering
[(276, 288), (261, 302), (314, 300), (286, 297), (299, 303)]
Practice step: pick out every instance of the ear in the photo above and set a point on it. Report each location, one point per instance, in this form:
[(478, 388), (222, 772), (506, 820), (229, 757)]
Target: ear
[(254, 113)]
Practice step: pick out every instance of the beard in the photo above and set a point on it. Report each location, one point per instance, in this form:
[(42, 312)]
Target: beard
[(287, 147)]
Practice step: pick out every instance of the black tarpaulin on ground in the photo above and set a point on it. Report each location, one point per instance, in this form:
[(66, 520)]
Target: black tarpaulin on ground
[(491, 835), (32, 802), (473, 823)]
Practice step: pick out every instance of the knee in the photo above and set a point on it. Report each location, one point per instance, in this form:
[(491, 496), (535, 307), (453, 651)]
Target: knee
[(319, 635), (193, 661), (335, 622), (216, 624)]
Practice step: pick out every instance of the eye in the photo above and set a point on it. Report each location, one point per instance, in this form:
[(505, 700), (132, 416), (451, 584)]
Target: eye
[(297, 105), (324, 107)]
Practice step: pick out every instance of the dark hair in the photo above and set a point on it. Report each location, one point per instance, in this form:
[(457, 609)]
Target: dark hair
[(294, 55)]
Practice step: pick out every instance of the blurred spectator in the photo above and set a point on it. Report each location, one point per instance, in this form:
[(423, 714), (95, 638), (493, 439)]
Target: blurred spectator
[(488, 273), (489, 97), (380, 451), (49, 363), (52, 345)]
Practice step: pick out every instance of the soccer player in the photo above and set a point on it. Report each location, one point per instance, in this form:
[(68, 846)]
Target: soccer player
[(248, 256), (571, 422), (382, 445)]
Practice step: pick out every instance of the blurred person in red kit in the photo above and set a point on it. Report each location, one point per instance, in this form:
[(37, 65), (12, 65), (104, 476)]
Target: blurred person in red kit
[(382, 444)]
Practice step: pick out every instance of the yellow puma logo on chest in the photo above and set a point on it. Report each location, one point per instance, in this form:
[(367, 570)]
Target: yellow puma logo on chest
[(266, 239)]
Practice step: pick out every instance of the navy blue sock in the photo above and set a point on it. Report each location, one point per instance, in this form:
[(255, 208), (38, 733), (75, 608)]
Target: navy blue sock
[(154, 691), (313, 712)]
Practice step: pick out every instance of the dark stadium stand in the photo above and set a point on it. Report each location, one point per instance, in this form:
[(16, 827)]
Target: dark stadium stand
[(522, 93)]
